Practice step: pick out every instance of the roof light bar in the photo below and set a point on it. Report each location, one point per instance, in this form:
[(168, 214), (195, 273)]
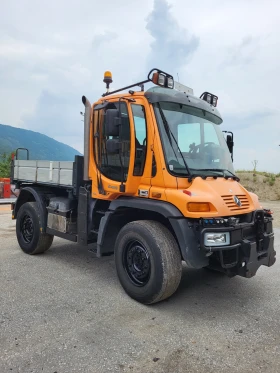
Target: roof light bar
[(161, 78), (210, 98)]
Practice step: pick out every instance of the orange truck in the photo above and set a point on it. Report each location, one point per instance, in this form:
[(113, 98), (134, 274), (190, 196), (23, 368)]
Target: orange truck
[(155, 187)]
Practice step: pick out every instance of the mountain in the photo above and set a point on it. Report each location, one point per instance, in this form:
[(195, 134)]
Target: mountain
[(40, 146)]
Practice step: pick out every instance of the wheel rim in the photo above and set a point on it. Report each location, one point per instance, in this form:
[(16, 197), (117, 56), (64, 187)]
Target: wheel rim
[(26, 228), (137, 263)]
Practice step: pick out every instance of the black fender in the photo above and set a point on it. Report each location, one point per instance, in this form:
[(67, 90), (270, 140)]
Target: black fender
[(37, 194), (188, 242), (164, 208)]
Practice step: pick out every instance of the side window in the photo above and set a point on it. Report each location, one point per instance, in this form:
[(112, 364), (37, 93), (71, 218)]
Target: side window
[(140, 126), (113, 166)]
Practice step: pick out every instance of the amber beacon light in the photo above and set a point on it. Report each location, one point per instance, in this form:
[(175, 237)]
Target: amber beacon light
[(108, 79)]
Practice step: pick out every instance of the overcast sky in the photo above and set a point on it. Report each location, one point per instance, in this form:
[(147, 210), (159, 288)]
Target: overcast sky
[(53, 52)]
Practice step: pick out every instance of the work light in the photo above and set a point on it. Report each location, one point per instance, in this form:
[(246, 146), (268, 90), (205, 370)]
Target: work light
[(161, 79), (170, 82), (215, 101), (210, 98)]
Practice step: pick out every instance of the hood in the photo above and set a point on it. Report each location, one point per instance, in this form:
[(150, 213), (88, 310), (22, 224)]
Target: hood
[(226, 197)]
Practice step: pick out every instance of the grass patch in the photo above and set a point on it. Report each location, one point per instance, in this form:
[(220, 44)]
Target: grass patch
[(262, 173), (271, 179), (265, 184)]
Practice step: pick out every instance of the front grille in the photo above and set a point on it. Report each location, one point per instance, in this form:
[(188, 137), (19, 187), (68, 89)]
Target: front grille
[(229, 201)]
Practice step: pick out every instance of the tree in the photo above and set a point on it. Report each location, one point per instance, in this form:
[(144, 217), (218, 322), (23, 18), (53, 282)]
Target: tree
[(5, 164), (254, 162)]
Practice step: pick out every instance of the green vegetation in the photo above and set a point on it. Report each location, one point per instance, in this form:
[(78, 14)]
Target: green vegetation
[(254, 162), (262, 173), (265, 184), (40, 147), (271, 179), (5, 162)]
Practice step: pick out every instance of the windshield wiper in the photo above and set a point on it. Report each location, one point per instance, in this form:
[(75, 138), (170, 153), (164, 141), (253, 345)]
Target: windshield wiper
[(169, 132), (234, 177)]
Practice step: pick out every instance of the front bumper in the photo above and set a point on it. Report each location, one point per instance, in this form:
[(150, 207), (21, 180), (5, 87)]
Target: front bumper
[(252, 245)]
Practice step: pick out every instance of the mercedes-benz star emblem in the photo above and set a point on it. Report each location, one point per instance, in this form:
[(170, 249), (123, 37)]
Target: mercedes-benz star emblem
[(237, 201)]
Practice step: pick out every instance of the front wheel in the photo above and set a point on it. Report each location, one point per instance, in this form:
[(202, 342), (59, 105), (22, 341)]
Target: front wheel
[(29, 235), (148, 261)]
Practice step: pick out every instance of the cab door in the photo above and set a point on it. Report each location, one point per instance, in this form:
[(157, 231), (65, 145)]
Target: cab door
[(119, 147)]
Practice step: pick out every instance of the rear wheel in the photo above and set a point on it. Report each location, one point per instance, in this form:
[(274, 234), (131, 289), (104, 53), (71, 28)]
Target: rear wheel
[(29, 235), (148, 261)]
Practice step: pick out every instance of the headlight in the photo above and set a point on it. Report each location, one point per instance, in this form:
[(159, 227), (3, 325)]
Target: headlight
[(216, 239)]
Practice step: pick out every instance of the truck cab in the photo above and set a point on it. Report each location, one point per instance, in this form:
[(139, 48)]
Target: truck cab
[(155, 187)]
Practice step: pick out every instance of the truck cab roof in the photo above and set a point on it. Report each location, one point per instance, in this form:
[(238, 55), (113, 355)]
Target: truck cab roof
[(160, 94)]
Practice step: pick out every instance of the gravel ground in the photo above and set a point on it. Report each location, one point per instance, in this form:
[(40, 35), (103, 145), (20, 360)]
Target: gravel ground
[(64, 311), (275, 207)]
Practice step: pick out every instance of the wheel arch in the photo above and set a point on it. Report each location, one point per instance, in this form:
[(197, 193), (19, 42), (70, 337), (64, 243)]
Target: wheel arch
[(113, 221), (34, 194), (125, 210)]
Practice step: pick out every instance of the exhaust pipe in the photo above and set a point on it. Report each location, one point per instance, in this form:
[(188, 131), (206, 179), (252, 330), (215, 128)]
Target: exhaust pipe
[(86, 135)]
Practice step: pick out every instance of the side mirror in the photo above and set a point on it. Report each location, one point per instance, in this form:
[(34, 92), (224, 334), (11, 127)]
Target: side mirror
[(113, 146), (230, 143), (112, 122)]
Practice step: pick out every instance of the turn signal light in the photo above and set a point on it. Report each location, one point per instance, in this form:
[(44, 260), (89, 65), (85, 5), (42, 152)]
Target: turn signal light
[(198, 206)]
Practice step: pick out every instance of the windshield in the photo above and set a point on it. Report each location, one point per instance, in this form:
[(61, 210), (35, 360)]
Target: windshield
[(193, 143)]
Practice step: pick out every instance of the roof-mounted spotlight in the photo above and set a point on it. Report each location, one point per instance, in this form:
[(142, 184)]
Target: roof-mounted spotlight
[(210, 98), (161, 78)]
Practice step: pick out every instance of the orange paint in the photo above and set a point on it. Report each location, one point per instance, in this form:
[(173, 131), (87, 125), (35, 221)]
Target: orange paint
[(216, 193)]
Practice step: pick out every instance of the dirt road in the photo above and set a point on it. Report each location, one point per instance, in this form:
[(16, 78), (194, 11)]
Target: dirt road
[(64, 311), (5, 209)]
